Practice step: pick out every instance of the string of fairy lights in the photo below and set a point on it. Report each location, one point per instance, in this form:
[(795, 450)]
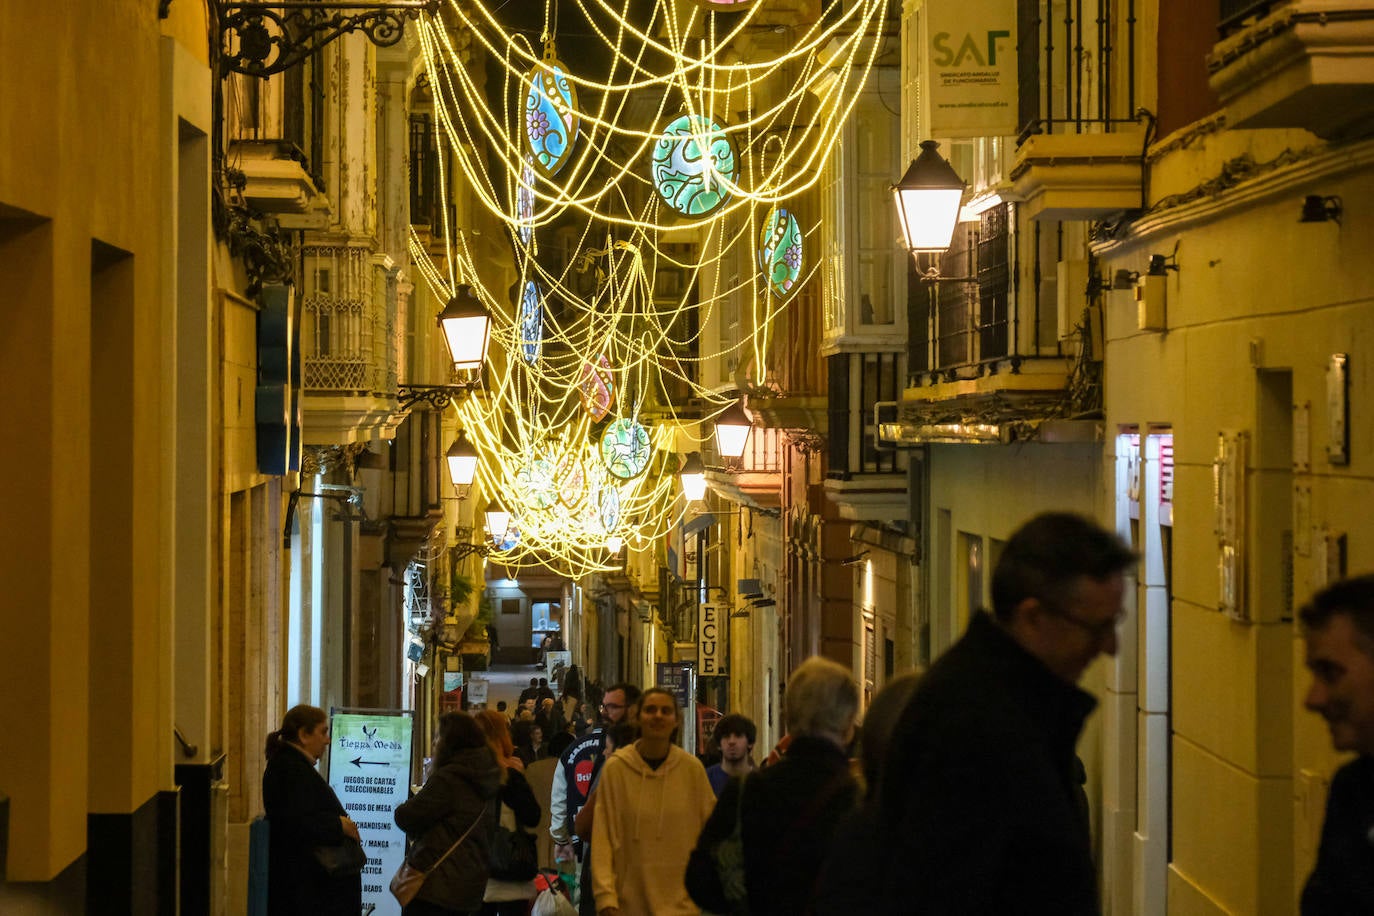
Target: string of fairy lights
[(686, 158)]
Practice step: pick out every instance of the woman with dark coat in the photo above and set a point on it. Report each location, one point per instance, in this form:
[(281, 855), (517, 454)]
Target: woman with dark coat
[(303, 814), (464, 776), (514, 807), (788, 811)]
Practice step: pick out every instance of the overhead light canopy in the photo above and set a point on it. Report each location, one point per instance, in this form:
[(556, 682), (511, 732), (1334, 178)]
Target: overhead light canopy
[(928, 198), (732, 430), (467, 329), (462, 461), (498, 520), (693, 477)]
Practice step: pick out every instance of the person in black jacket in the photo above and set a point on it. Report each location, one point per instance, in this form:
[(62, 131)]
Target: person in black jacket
[(304, 814), (980, 795), (787, 812), (1338, 626), (452, 806)]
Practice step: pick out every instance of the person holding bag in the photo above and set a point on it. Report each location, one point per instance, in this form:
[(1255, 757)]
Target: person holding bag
[(445, 822), (314, 858), (513, 859)]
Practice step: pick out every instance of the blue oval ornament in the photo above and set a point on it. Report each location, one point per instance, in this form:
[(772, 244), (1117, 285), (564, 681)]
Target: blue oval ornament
[(531, 323), (694, 166), (780, 252), (551, 121)]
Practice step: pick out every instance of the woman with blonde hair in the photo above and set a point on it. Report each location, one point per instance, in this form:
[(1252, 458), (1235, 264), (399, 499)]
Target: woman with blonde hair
[(513, 808)]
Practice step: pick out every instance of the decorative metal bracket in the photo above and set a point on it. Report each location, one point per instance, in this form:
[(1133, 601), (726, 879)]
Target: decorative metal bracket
[(465, 548), (260, 39), (437, 396)]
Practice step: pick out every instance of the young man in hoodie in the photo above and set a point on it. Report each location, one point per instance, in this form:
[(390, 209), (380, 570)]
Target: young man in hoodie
[(652, 799)]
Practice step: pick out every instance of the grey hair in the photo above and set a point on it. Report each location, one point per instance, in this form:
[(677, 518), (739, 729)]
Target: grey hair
[(822, 699)]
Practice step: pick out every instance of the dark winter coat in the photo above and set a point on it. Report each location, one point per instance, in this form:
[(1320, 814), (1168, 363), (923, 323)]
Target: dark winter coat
[(453, 798), (787, 822), (980, 795), (302, 813), (1343, 880)]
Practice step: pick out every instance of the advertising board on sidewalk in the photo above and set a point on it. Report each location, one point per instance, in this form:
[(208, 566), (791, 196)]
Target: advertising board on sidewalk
[(369, 770)]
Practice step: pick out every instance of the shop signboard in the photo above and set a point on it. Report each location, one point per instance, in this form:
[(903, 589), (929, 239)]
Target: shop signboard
[(369, 770), (711, 639), (973, 68)]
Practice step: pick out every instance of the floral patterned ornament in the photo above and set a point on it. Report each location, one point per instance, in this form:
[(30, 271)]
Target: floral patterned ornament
[(780, 252), (625, 449), (610, 509), (694, 166), (511, 539), (597, 388), (531, 323), (551, 121)]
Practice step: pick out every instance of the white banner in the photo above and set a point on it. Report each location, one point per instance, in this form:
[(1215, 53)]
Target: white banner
[(973, 78), (369, 770), (711, 639)]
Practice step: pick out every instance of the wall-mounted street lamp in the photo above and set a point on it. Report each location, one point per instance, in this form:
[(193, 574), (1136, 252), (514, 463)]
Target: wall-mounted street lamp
[(464, 547), (732, 431), (462, 461), (928, 197), (613, 543), (693, 476), (466, 324), (498, 520)]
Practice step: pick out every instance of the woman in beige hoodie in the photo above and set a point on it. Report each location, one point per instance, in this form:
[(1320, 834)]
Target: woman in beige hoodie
[(652, 799)]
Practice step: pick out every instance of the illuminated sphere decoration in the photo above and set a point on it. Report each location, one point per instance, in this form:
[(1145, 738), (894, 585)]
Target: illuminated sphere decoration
[(625, 449), (694, 166), (780, 252), (551, 121)]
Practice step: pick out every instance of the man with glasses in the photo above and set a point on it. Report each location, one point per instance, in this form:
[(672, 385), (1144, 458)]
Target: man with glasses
[(573, 777), (981, 788)]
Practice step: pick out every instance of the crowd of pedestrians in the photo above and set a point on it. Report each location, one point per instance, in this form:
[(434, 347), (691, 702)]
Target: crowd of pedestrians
[(958, 792)]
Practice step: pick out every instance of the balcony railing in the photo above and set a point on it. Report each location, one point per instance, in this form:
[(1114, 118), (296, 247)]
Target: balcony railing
[(1072, 50), (1236, 13), (348, 323)]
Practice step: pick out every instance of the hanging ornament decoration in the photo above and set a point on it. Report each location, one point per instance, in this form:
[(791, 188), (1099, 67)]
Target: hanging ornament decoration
[(597, 387), (694, 166), (572, 477), (610, 509), (780, 252), (551, 121), (531, 323), (625, 448), (524, 202), (536, 483)]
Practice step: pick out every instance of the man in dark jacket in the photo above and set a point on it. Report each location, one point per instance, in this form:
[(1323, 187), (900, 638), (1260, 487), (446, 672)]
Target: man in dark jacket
[(1339, 628), (979, 794), (787, 812)]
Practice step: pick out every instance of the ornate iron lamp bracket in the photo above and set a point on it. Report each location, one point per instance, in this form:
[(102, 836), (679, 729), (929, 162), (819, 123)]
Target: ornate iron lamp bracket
[(260, 39), (436, 396)]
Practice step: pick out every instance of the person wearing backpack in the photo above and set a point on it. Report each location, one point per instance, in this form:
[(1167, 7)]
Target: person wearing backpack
[(783, 817)]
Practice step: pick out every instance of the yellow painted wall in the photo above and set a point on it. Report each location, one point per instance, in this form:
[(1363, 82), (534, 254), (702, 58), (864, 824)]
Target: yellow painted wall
[(81, 621), (1256, 292)]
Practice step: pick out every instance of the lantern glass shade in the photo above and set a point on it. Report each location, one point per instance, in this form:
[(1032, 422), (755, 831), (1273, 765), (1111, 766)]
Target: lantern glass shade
[(732, 431), (462, 461), (928, 199), (498, 520), (693, 478), (614, 543), (467, 329)]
